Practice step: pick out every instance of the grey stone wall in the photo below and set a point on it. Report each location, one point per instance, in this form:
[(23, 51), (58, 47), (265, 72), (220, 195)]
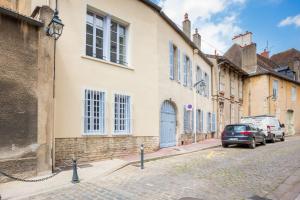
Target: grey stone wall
[(26, 96)]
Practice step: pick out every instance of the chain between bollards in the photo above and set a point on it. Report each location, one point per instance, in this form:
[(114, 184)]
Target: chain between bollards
[(142, 156)]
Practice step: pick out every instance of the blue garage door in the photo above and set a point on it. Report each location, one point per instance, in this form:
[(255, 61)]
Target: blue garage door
[(167, 125)]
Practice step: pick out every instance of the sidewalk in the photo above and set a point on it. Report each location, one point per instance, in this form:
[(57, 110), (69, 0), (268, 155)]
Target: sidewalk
[(87, 172), (289, 189)]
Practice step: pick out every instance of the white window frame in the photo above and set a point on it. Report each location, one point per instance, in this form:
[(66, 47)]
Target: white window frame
[(275, 88), (128, 118), (294, 93), (102, 120), (188, 123), (107, 37)]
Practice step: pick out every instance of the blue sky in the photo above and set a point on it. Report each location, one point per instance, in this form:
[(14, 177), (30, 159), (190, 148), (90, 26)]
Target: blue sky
[(275, 21)]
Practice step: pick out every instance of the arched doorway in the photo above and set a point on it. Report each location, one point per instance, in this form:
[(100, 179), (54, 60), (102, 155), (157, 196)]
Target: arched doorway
[(167, 125)]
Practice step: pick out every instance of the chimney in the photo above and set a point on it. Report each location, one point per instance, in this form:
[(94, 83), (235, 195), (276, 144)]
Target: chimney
[(197, 39), (243, 39), (186, 25), (265, 53)]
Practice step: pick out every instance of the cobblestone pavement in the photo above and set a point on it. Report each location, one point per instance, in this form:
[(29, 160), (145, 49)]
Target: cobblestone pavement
[(232, 173)]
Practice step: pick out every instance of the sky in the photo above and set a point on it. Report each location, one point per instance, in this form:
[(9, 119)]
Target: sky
[(275, 24)]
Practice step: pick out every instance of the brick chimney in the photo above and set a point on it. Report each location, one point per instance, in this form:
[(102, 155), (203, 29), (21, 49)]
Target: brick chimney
[(243, 40), (265, 53), (186, 25), (197, 39)]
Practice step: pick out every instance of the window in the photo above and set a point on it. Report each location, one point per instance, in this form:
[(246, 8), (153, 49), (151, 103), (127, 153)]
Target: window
[(213, 123), (117, 43), (174, 62), (294, 94), (122, 114), (198, 78), (94, 112), (94, 35), (101, 29), (240, 88), (199, 120), (188, 121), (222, 79), (206, 79), (208, 122), (232, 84), (187, 72), (275, 89)]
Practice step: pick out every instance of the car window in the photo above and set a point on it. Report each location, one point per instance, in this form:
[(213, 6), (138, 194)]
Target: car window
[(235, 128)]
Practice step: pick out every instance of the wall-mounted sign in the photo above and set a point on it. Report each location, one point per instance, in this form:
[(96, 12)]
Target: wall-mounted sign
[(189, 107)]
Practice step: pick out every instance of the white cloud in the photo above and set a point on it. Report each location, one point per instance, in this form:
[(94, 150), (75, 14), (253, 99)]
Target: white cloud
[(295, 20), (216, 34)]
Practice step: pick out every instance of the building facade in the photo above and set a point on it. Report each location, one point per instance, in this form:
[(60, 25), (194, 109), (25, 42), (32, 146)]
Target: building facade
[(26, 115), (266, 91), (127, 78), (227, 91)]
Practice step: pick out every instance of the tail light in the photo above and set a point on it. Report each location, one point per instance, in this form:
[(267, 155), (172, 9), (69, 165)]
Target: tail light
[(223, 133), (269, 129), (245, 132)]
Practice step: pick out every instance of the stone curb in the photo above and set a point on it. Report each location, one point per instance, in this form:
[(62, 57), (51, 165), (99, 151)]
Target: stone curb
[(157, 158)]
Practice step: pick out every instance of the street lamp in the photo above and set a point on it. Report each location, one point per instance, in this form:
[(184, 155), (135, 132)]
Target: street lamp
[(202, 85), (55, 27)]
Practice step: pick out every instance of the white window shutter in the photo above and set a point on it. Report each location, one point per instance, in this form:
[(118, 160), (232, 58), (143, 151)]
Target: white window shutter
[(171, 51), (178, 65), (184, 71)]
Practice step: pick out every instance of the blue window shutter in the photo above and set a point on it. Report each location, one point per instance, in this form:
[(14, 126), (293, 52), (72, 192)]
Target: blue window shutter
[(184, 71), (191, 74), (197, 120), (213, 129), (171, 51), (192, 128), (184, 119), (202, 121), (179, 74), (208, 124)]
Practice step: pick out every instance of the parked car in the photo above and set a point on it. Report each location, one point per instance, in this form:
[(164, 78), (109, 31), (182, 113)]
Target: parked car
[(270, 126), (242, 134)]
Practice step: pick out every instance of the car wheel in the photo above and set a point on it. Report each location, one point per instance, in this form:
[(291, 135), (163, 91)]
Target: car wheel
[(273, 140), (224, 145), (252, 145), (264, 142), (282, 138)]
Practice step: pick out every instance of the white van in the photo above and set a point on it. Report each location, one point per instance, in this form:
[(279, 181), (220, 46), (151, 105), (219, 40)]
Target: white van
[(269, 125)]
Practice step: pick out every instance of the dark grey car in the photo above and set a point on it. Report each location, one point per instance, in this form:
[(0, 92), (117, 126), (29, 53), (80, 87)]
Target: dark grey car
[(242, 134)]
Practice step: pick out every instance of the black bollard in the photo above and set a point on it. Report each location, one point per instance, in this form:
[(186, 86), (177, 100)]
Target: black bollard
[(142, 156), (75, 178)]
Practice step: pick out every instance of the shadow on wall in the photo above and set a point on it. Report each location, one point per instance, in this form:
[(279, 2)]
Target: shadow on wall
[(18, 120)]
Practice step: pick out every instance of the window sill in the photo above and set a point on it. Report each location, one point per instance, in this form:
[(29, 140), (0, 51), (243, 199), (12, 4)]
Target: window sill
[(106, 62), (94, 134)]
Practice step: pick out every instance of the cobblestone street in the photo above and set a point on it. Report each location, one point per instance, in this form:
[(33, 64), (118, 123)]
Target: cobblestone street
[(232, 173)]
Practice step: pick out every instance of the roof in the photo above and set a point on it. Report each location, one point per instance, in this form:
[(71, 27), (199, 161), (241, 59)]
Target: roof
[(176, 28), (16, 15), (221, 59), (265, 66), (285, 57)]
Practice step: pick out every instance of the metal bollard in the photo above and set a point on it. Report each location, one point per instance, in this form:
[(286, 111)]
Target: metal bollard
[(142, 156), (75, 178)]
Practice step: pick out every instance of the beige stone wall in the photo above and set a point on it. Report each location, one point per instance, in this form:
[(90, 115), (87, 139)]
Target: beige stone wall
[(88, 149), (258, 100)]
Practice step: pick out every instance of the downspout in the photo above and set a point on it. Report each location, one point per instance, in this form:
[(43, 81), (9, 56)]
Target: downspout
[(269, 99), (53, 136)]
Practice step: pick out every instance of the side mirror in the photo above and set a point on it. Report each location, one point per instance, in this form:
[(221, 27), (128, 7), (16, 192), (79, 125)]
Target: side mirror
[(282, 125)]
